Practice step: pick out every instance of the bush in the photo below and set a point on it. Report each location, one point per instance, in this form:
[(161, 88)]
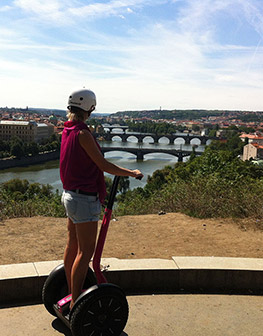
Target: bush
[(19, 198), (201, 197), (215, 184)]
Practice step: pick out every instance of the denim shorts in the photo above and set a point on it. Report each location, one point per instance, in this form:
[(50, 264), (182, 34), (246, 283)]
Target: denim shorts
[(81, 208)]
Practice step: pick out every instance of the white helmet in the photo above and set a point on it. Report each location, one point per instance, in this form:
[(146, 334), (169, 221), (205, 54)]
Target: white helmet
[(84, 99)]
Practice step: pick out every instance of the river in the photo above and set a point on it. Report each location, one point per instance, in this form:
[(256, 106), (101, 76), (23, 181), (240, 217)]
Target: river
[(48, 173)]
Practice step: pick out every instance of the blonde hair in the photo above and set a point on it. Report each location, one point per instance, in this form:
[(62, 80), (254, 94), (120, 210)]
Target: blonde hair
[(76, 114)]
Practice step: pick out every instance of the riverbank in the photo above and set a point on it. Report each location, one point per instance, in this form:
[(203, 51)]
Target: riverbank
[(28, 161)]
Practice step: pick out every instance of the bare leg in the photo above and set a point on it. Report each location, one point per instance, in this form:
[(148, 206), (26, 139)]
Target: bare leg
[(86, 237), (70, 251)]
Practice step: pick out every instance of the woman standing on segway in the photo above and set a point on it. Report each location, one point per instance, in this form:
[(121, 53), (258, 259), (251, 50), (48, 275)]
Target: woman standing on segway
[(81, 170)]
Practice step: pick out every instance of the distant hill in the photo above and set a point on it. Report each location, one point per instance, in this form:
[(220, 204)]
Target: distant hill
[(61, 113), (186, 114), (94, 114), (43, 111)]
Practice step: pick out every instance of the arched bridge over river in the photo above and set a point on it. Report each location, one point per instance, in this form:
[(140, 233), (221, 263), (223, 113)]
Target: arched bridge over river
[(124, 137), (140, 152), (107, 136)]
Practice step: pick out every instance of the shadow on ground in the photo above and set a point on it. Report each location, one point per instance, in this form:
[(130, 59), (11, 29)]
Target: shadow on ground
[(59, 326)]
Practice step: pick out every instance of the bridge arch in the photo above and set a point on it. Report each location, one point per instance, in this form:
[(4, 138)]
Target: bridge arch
[(164, 139), (148, 139), (195, 141), (132, 137), (116, 137), (164, 156), (119, 151), (179, 140), (117, 130), (110, 128), (106, 129)]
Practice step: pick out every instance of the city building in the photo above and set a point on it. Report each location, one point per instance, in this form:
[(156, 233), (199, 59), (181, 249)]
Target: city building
[(254, 147), (44, 131), (252, 151), (27, 131), (250, 138)]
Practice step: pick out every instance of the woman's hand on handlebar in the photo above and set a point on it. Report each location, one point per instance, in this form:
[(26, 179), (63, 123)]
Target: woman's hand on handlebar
[(137, 174)]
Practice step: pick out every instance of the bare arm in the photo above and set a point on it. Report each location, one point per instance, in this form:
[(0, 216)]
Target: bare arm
[(88, 143)]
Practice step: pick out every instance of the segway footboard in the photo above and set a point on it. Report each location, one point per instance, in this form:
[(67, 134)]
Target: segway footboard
[(55, 287)]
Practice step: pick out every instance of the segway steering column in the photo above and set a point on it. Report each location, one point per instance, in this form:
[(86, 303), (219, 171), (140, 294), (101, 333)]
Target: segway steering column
[(103, 232)]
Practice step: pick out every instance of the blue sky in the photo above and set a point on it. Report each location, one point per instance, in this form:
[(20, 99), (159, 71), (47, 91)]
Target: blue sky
[(134, 54)]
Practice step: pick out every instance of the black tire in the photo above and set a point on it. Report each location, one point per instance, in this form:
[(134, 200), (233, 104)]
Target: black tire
[(55, 287), (100, 311)]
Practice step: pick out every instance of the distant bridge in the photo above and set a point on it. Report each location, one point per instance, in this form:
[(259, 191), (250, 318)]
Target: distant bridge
[(111, 127), (140, 152), (125, 136)]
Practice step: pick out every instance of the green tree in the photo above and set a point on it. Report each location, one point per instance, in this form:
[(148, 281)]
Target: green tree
[(4, 146), (212, 133), (32, 148), (17, 150), (196, 128), (124, 184), (15, 185), (46, 190), (158, 179), (235, 144), (33, 190)]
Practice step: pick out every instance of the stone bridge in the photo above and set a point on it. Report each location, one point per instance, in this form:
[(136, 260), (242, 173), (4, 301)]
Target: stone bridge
[(187, 138), (140, 152), (111, 127)]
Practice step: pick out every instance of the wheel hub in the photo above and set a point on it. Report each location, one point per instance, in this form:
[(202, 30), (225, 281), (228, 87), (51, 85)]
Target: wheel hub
[(102, 318)]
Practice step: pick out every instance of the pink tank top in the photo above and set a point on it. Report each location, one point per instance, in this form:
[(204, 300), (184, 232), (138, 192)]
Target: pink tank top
[(77, 170)]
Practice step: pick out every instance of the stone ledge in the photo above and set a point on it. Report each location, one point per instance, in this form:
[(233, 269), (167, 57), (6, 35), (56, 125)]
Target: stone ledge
[(15, 271), (115, 264), (24, 282), (219, 263), (43, 268)]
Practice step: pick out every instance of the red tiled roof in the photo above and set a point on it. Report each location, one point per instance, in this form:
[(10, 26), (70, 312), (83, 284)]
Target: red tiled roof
[(251, 136), (255, 144)]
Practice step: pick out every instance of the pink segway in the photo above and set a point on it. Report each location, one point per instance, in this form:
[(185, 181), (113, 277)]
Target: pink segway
[(102, 308)]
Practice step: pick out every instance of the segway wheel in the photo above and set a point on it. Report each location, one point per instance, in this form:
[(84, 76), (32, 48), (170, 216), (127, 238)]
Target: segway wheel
[(55, 287), (101, 311)]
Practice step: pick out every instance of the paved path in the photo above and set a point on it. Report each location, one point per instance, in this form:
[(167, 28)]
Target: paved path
[(156, 315)]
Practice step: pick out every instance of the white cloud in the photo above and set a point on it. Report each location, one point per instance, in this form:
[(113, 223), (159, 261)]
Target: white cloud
[(38, 6), (173, 64), (199, 15), (61, 12), (5, 8), (114, 7), (157, 67), (254, 14), (48, 10)]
